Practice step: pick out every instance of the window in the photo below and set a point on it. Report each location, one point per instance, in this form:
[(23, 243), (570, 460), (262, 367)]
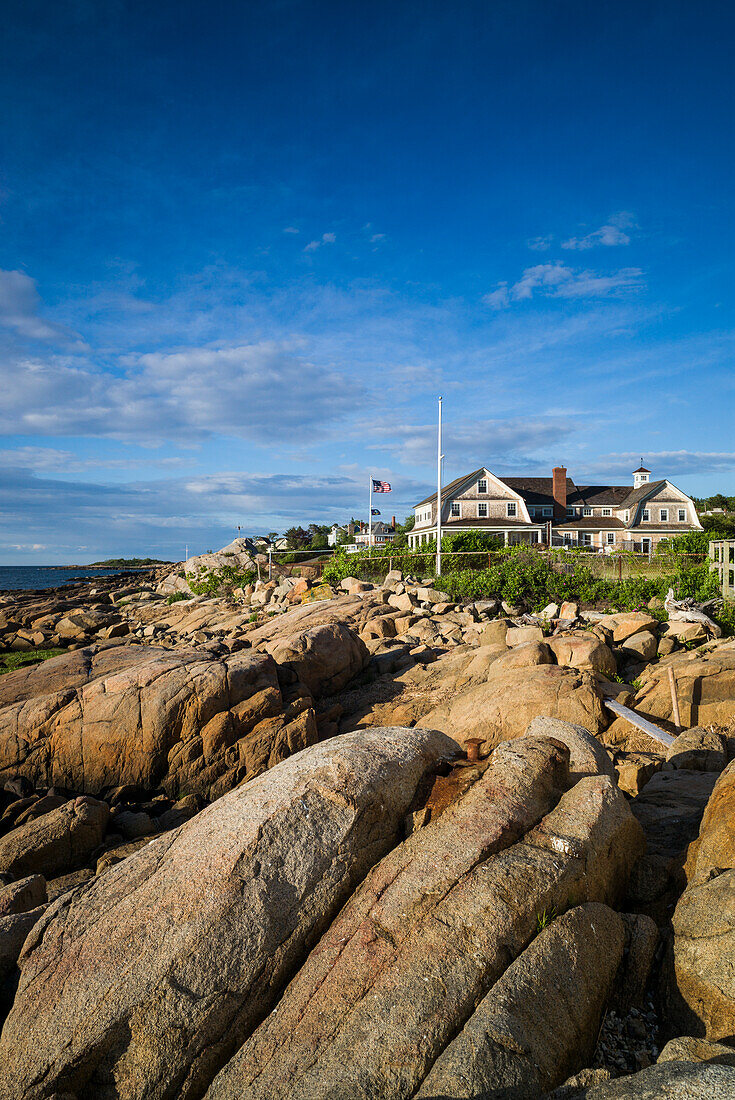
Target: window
[(646, 514), (607, 511), (611, 538), (512, 510), (531, 510), (455, 509), (586, 538), (627, 516), (482, 511), (482, 485), (548, 511), (682, 515), (570, 511), (586, 511), (663, 515), (732, 578)]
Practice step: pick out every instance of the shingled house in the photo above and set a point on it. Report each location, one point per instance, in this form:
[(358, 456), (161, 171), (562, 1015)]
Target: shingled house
[(554, 509)]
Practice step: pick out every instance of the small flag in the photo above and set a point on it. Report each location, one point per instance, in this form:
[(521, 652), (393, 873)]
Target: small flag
[(375, 511), (381, 486)]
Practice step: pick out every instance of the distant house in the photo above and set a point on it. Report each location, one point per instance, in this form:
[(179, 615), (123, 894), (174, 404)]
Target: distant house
[(555, 510), (334, 534), (382, 533)]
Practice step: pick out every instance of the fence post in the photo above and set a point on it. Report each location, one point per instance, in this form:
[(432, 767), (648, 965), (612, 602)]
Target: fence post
[(620, 569)]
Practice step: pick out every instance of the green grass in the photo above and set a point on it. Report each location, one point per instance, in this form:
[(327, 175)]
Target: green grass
[(10, 661)]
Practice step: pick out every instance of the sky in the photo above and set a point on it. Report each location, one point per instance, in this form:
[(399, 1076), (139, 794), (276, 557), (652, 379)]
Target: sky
[(245, 246)]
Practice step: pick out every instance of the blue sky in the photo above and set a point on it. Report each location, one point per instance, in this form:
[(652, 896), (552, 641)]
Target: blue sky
[(244, 246)]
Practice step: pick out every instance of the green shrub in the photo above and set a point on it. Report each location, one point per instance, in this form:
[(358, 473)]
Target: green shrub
[(177, 597), (221, 582)]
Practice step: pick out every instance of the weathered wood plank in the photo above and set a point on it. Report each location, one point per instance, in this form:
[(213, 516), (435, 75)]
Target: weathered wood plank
[(640, 723)]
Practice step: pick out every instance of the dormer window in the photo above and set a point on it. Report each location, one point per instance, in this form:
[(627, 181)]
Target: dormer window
[(607, 511), (548, 511), (455, 508), (482, 485), (682, 515), (570, 511), (512, 509), (646, 514), (586, 511), (663, 515), (531, 510)]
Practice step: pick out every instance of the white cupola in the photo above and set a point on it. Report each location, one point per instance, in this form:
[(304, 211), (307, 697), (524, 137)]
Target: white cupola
[(641, 476)]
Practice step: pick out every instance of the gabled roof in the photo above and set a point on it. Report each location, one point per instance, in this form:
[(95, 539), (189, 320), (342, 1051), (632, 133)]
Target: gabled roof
[(451, 488), (635, 496), (641, 470)]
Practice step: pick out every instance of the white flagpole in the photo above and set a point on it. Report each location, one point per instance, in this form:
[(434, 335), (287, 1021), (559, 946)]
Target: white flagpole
[(439, 457), (370, 514)]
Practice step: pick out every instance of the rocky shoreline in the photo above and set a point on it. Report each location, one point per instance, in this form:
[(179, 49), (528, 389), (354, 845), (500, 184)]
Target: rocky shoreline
[(309, 842)]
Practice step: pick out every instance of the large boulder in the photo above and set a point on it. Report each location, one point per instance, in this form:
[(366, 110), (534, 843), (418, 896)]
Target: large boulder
[(624, 624), (671, 1080), (702, 986), (697, 749), (57, 842), (584, 651), (105, 717), (587, 756), (14, 930), (237, 556), (507, 1047), (705, 687), (144, 981), (325, 657), (431, 929), (503, 707), (22, 895)]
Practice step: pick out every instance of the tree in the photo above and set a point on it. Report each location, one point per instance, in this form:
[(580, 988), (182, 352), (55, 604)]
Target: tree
[(297, 538), (273, 535), (319, 542)]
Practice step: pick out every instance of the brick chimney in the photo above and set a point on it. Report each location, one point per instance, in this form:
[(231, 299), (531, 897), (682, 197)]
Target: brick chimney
[(559, 491), (393, 522)]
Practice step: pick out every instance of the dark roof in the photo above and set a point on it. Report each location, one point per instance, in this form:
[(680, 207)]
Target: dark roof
[(535, 490), (599, 495), (641, 470)]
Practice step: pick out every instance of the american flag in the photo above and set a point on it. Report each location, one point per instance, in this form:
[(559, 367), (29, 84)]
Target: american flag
[(381, 486), (375, 511)]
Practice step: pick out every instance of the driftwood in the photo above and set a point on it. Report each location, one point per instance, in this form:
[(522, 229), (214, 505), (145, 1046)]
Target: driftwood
[(687, 611), (640, 723)]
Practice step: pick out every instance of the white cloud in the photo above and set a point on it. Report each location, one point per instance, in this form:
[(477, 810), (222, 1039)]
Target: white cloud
[(20, 307), (326, 238), (540, 244), (502, 444), (556, 280), (608, 235), (258, 391), (666, 464), (291, 229)]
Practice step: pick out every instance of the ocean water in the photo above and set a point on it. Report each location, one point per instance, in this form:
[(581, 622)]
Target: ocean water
[(45, 576)]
